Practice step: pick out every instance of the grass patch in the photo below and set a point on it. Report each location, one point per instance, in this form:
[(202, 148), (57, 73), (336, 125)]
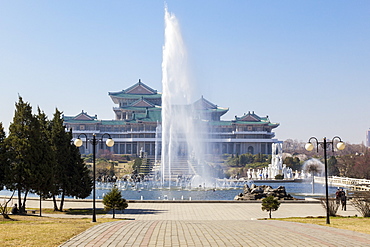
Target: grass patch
[(71, 211), (82, 211), (357, 224), (24, 230)]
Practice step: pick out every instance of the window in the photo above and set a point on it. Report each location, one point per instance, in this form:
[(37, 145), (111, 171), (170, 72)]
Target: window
[(147, 148), (224, 148)]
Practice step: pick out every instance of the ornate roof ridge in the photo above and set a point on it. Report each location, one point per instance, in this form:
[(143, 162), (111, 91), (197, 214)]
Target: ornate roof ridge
[(139, 83), (83, 116), (208, 103), (249, 117), (149, 104)]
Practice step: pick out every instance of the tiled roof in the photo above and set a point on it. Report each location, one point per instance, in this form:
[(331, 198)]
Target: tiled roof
[(144, 110), (142, 103), (134, 96), (137, 89), (82, 116)]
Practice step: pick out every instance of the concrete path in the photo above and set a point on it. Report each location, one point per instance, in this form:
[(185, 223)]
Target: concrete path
[(216, 224)]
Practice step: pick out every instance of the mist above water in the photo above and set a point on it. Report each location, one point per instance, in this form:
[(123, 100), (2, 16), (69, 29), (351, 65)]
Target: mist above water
[(314, 167)]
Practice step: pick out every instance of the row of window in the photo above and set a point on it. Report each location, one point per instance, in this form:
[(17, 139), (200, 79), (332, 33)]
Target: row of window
[(153, 135), (150, 135), (212, 148), (126, 128), (142, 127), (231, 136)]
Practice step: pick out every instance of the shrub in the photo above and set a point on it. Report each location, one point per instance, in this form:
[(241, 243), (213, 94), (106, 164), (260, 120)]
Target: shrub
[(279, 176), (113, 200), (270, 203)]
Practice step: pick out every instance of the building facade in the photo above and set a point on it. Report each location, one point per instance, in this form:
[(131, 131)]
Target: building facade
[(138, 114)]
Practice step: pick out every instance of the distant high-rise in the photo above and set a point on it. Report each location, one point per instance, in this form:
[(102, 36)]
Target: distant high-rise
[(368, 138)]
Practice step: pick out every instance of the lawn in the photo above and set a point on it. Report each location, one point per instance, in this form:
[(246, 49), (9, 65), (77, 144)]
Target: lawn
[(25, 230), (357, 224)]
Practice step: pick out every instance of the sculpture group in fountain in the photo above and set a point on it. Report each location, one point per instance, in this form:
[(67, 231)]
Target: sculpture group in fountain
[(275, 168)]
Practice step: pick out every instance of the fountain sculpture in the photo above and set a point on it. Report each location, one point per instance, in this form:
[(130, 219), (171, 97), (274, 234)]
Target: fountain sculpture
[(275, 168)]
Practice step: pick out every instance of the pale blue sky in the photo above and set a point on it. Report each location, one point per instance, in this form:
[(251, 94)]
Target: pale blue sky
[(306, 64)]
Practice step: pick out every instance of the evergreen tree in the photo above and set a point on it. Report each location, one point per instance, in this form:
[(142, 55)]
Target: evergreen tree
[(70, 174), (4, 164), (60, 142), (269, 204), (44, 182), (113, 200), (81, 183), (246, 159), (23, 151), (293, 163)]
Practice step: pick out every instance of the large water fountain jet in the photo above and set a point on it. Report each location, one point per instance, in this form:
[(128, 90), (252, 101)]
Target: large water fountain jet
[(181, 130)]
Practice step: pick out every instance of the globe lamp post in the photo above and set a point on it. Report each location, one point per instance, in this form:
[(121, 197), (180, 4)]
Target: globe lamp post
[(94, 141), (325, 144)]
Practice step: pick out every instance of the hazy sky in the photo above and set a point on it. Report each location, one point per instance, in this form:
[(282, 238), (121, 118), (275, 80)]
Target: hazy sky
[(305, 64)]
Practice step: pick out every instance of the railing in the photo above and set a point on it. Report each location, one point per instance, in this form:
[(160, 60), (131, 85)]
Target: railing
[(351, 183), (85, 131)]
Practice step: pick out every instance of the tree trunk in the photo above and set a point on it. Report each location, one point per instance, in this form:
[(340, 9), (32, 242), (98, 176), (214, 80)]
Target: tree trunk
[(114, 213), (62, 202), (6, 216), (270, 213), (55, 204), (20, 201), (24, 201), (4, 208), (40, 204)]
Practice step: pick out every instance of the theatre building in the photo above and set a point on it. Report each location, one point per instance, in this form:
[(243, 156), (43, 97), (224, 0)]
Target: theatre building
[(138, 114)]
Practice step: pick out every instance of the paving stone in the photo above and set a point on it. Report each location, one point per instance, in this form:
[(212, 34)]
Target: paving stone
[(216, 224)]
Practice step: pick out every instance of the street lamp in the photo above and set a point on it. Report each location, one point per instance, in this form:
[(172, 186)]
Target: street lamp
[(78, 143), (325, 144)]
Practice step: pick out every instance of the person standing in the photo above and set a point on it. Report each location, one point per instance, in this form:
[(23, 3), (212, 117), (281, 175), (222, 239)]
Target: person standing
[(337, 196), (343, 199)]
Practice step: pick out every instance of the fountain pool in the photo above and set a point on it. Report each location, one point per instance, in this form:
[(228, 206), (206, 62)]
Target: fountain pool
[(148, 191), (144, 191)]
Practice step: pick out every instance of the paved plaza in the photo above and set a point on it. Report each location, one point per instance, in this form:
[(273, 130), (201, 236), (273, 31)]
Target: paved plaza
[(214, 224)]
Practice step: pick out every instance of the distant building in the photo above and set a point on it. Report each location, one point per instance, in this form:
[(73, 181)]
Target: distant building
[(368, 138), (138, 113)]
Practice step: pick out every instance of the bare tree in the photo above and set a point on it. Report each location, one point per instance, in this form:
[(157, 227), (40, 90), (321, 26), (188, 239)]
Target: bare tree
[(4, 207), (361, 201), (333, 206)]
